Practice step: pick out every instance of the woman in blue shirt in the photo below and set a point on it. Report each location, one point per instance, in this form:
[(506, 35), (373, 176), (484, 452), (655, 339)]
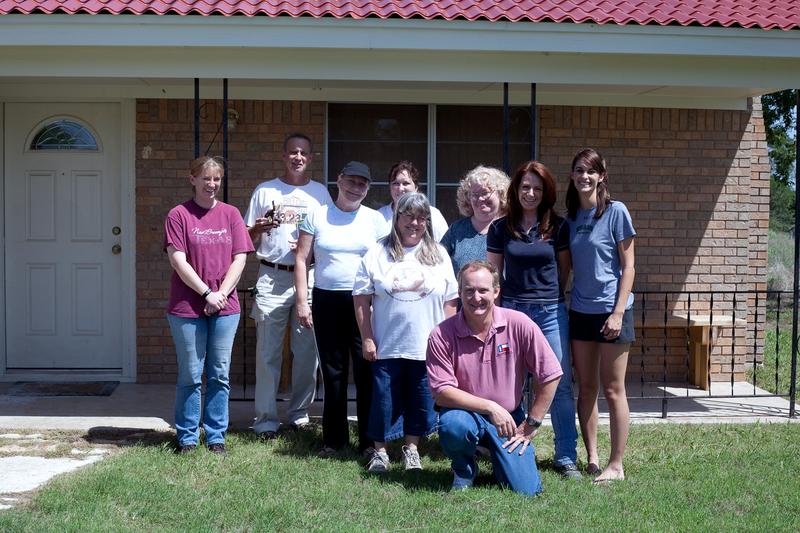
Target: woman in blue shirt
[(530, 247), (601, 315)]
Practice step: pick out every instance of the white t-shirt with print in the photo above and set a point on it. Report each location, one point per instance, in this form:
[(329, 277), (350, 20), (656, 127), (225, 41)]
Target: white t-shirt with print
[(292, 204), (341, 238), (407, 299)]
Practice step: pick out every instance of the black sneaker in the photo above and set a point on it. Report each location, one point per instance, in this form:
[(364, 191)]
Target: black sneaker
[(218, 448), (267, 435), (569, 471), (186, 448)]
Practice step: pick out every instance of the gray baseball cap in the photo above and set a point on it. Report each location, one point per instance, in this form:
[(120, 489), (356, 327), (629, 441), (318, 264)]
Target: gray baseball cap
[(356, 168)]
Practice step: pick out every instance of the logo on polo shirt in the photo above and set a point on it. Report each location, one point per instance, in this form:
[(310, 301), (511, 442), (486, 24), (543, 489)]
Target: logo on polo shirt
[(503, 349)]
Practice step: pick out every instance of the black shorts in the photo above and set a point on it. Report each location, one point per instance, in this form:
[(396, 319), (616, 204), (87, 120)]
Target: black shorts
[(587, 327)]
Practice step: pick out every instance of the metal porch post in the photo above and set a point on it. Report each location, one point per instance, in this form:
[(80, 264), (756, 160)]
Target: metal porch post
[(795, 293), (533, 122), (196, 118), (225, 138), (506, 121)]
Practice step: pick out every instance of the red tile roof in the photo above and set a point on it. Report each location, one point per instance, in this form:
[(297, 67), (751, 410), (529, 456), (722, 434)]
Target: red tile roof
[(765, 14)]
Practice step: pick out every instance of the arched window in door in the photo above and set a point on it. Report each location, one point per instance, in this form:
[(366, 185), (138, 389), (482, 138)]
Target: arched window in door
[(64, 134)]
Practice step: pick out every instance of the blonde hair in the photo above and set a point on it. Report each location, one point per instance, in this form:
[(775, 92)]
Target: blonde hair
[(492, 178), (202, 163)]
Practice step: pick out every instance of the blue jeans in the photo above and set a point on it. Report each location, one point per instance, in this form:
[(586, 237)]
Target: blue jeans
[(553, 320), (461, 431), (202, 343), (401, 400)]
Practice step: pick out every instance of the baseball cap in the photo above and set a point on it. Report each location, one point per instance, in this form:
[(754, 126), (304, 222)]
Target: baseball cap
[(356, 168)]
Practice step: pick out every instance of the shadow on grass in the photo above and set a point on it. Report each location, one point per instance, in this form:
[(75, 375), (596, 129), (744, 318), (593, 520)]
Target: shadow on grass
[(307, 442), (439, 480), (419, 481)]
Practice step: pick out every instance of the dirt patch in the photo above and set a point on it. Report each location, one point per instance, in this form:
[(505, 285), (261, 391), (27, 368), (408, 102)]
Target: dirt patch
[(77, 444), (127, 436)]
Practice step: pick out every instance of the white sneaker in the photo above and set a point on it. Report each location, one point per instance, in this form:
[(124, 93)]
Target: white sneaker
[(411, 459), (378, 463)]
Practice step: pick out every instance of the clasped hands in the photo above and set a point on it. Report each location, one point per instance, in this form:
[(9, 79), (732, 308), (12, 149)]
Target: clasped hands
[(215, 302)]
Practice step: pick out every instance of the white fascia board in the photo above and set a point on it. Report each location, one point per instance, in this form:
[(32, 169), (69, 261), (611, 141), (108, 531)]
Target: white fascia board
[(393, 34)]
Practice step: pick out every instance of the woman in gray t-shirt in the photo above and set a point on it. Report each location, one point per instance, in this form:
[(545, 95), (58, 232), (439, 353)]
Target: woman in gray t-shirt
[(601, 316)]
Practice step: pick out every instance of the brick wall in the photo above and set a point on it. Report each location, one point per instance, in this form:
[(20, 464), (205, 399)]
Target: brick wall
[(696, 183), (688, 178), (759, 229), (164, 149)]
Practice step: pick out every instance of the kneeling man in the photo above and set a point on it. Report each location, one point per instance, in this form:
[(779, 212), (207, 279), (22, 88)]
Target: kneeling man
[(477, 362)]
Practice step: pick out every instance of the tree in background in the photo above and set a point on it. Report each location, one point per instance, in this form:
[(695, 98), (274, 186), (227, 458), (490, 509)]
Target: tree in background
[(779, 121)]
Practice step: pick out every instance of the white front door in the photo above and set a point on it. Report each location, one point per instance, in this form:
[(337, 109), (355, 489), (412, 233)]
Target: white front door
[(63, 303)]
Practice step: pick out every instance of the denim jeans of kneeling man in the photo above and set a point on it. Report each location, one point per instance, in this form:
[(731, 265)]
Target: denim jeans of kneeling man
[(460, 432)]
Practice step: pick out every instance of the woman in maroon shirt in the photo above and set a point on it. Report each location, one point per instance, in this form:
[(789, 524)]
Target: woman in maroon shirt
[(207, 244)]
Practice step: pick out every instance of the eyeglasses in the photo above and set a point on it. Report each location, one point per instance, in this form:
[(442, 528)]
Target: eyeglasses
[(411, 216), (482, 196)]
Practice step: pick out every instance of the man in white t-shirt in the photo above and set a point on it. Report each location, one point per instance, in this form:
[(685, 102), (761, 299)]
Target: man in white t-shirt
[(277, 208)]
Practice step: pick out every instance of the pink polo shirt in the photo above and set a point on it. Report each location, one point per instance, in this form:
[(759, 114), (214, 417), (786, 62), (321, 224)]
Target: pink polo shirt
[(493, 369)]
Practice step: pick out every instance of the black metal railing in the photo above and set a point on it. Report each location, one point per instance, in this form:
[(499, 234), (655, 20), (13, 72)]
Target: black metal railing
[(721, 339), (690, 344)]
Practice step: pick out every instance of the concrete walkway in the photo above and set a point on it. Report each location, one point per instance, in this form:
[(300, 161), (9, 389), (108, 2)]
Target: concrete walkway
[(151, 407)]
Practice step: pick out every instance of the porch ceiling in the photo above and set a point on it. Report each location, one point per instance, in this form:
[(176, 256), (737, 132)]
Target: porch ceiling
[(21, 88)]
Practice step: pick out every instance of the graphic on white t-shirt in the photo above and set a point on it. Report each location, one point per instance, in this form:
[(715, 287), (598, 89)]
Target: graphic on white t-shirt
[(291, 210), (407, 281)]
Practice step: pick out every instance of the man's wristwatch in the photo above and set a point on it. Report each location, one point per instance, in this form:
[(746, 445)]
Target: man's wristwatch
[(535, 423)]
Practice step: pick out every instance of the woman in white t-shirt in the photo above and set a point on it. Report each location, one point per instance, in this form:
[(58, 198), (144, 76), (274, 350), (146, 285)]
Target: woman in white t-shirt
[(337, 236), (403, 178), (404, 287)]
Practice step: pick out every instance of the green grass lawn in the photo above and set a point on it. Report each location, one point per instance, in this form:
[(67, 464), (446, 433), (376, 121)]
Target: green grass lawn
[(776, 361), (680, 477)]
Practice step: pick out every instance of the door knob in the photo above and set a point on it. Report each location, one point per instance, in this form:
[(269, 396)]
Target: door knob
[(116, 249), (115, 230)]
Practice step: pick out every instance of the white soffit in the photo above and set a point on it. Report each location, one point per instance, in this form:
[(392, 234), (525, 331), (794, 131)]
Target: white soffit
[(379, 92)]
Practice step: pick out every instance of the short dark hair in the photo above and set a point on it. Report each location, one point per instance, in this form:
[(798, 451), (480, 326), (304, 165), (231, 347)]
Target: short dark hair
[(478, 265), (297, 135), (409, 167)]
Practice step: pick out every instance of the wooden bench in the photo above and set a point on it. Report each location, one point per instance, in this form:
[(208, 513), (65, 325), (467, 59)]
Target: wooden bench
[(701, 338)]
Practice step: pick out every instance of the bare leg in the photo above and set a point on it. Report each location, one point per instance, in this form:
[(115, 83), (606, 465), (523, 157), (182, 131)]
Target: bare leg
[(613, 364), (412, 441), (586, 360), (380, 446)]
